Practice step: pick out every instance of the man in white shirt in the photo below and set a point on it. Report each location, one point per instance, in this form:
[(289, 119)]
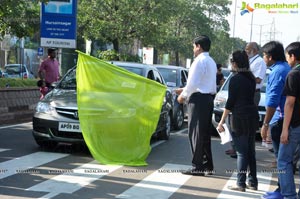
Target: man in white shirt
[(199, 93), (257, 66)]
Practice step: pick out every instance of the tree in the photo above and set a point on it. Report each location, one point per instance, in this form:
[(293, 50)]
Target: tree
[(168, 26), (122, 21), (191, 19), (20, 18)]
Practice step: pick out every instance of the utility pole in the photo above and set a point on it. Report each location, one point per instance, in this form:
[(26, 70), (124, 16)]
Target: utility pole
[(251, 27), (234, 17), (260, 30), (273, 31)]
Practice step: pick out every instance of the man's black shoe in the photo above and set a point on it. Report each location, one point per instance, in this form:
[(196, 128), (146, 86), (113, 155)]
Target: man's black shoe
[(271, 150), (194, 172), (209, 171), (248, 186), (233, 156)]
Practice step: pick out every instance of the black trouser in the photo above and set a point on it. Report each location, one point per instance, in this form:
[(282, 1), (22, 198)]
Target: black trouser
[(200, 109), (257, 97)]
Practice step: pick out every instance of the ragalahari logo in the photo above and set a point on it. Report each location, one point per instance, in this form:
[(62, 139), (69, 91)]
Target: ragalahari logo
[(246, 8), (272, 8)]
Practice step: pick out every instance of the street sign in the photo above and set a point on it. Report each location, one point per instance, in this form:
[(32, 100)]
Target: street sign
[(58, 24), (40, 51)]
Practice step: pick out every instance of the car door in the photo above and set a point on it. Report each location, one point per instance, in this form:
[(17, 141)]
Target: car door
[(184, 76)]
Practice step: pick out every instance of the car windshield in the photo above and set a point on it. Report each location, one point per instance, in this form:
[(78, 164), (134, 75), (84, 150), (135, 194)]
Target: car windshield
[(169, 76), (263, 89), (69, 80)]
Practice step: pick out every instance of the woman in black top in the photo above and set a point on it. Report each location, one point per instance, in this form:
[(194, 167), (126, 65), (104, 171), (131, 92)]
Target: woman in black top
[(244, 120)]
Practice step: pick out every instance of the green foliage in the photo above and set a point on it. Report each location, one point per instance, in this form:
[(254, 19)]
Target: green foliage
[(130, 58), (17, 83), (110, 55), (20, 18), (119, 22), (169, 26)]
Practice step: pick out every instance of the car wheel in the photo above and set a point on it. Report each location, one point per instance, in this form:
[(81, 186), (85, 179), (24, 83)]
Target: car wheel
[(165, 133), (179, 119)]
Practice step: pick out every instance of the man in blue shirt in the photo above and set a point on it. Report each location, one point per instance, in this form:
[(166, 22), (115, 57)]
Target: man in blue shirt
[(274, 57)]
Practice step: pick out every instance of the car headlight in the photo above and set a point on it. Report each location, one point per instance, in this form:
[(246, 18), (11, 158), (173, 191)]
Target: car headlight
[(43, 107), (220, 102)]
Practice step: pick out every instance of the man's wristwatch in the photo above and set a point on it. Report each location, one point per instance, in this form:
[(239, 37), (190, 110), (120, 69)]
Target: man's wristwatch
[(266, 124)]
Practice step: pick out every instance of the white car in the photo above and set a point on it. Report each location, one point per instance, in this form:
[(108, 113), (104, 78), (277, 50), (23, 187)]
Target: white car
[(222, 96), (15, 71)]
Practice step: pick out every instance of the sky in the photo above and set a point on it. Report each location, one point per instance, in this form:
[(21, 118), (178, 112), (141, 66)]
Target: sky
[(268, 24)]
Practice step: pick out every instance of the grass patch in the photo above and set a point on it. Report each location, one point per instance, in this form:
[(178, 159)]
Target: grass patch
[(17, 83)]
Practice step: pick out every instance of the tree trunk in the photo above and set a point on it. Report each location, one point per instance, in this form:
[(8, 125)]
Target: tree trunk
[(177, 58), (116, 45)]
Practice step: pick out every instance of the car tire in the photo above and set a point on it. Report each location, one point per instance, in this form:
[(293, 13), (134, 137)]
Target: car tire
[(178, 119), (165, 133)]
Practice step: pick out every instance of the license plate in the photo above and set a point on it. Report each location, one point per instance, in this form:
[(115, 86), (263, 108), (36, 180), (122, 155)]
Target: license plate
[(69, 127)]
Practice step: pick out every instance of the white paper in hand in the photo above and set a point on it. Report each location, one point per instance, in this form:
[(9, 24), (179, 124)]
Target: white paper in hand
[(225, 136)]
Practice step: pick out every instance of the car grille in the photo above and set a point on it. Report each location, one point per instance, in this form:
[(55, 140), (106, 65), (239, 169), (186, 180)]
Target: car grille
[(64, 134), (68, 112)]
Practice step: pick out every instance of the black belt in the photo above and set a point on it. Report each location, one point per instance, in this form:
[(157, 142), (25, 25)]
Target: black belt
[(257, 90), (198, 93)]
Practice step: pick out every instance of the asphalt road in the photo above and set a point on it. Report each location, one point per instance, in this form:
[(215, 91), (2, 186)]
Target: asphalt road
[(27, 171)]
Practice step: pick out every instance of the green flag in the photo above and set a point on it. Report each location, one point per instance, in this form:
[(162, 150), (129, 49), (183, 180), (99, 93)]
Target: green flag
[(118, 111)]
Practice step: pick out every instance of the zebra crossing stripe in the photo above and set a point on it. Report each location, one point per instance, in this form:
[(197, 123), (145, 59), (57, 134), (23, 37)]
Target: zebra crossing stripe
[(73, 180), (157, 143), (1, 150), (264, 180), (160, 184), (19, 164), (15, 125)]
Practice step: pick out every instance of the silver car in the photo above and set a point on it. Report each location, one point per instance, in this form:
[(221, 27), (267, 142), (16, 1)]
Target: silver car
[(222, 96), (56, 117)]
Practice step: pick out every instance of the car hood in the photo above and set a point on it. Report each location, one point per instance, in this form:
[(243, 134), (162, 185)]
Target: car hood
[(222, 96), (62, 98)]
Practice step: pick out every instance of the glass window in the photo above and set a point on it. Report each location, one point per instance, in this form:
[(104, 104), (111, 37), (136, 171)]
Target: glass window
[(170, 76), (69, 80), (137, 71)]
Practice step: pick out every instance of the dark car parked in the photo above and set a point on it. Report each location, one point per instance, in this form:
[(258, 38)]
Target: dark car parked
[(56, 117), (164, 124), (175, 77)]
